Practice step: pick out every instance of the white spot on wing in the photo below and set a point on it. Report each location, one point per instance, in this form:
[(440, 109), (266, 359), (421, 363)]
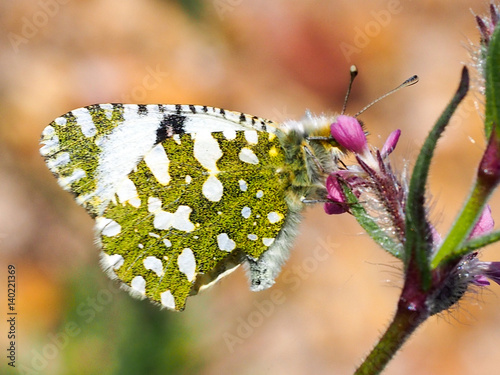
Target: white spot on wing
[(212, 189), (138, 284), (154, 264), (225, 243), (268, 241), (154, 204), (259, 194), (248, 156), (165, 220), (49, 131), (61, 121), (167, 300), (243, 185), (84, 120), (60, 160), (77, 174), (108, 110), (206, 150), (178, 220), (252, 237), (252, 137), (106, 106), (51, 144), (114, 261), (127, 193), (107, 227), (274, 217), (187, 263), (246, 212), (229, 134), (157, 161)]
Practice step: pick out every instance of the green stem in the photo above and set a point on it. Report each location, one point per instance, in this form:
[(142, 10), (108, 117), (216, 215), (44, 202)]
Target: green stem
[(463, 225), (403, 325), (488, 177), (479, 242)]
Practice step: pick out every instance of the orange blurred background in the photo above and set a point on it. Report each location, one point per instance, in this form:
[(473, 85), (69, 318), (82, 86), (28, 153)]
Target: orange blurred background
[(273, 59)]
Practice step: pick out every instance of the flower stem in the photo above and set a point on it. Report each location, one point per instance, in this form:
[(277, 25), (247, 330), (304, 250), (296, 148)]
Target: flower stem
[(403, 325), (478, 242), (460, 230), (413, 309), (488, 177)]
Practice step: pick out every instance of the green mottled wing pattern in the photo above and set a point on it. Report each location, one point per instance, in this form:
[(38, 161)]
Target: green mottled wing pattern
[(181, 194), (177, 233)]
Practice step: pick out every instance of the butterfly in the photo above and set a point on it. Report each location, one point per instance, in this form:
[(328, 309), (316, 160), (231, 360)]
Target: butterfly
[(184, 194)]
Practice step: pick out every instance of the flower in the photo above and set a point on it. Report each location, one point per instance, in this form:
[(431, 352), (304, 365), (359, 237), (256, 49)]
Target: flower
[(383, 198), (371, 180), (337, 202), (348, 132), (484, 224), (491, 270), (471, 267), (468, 271), (487, 26), (390, 143)]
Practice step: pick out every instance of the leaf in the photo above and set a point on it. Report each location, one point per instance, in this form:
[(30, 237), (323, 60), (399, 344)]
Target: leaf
[(417, 244), (493, 84)]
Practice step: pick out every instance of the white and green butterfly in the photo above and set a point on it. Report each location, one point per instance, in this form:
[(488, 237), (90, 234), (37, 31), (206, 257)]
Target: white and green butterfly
[(184, 194)]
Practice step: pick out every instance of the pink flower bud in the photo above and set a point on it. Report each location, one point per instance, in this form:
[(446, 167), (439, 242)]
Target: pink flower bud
[(390, 143), (348, 132), (335, 194), (484, 225)]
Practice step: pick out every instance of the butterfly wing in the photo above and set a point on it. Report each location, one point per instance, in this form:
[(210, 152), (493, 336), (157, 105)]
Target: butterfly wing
[(181, 194)]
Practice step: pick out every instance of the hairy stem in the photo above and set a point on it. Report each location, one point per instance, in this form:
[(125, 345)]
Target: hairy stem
[(404, 323)]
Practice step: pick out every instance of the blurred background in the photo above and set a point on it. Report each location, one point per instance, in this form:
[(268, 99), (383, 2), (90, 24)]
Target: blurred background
[(273, 59)]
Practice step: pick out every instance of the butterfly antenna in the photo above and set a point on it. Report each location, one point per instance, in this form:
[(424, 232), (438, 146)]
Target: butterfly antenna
[(354, 72), (408, 82)]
